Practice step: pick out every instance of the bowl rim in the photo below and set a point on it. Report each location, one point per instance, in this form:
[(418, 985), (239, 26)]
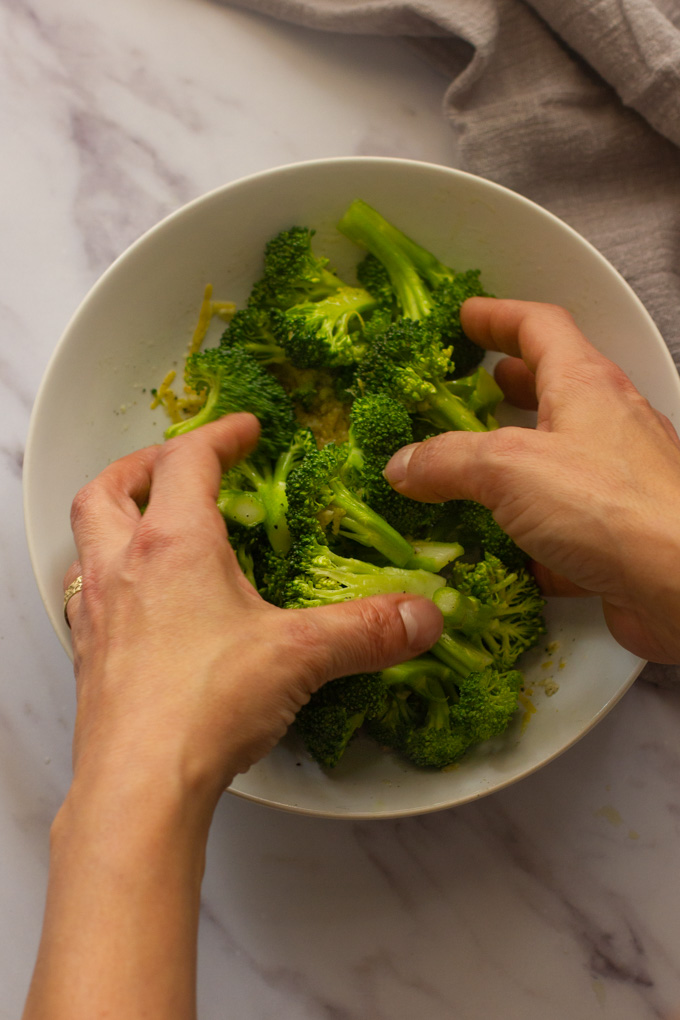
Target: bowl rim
[(205, 199)]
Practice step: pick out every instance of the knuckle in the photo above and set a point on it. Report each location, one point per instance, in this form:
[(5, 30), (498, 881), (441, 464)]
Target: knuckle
[(153, 539), (82, 507)]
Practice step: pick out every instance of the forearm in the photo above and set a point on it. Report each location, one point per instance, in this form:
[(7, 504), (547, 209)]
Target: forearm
[(119, 937)]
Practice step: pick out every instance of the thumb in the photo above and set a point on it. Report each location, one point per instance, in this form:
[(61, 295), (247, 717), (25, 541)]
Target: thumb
[(462, 465), (365, 635)]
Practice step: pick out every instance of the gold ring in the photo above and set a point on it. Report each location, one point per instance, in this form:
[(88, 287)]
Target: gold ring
[(73, 588)]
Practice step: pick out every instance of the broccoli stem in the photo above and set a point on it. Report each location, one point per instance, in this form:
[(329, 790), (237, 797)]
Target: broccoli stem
[(202, 417), (447, 411), (462, 612), (365, 526), (238, 507), (461, 655), (434, 556), (358, 579), (366, 227)]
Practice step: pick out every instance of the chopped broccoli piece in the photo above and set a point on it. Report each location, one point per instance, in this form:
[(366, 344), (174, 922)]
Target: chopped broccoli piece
[(430, 735), (318, 495), (251, 328), (426, 290), (487, 701), (335, 713), (230, 379), (379, 426), (407, 362), (318, 576), (292, 272), (475, 526), (501, 611), (254, 491), (324, 333)]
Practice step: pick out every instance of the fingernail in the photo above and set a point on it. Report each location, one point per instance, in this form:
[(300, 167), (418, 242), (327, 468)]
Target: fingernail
[(422, 623), (396, 468)]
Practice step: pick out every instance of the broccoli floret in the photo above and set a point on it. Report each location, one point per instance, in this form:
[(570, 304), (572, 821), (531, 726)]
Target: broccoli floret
[(430, 736), (292, 272), (487, 701), (325, 333), (318, 576), (407, 362), (336, 711), (254, 491), (317, 493), (499, 610), (425, 289), (373, 276), (475, 526), (379, 426), (230, 379), (251, 328)]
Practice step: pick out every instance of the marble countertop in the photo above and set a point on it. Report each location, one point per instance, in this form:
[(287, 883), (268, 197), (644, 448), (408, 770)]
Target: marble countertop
[(558, 897)]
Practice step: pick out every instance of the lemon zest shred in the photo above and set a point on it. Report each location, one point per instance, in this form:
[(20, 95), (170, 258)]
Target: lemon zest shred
[(224, 310), (204, 316), (162, 389)]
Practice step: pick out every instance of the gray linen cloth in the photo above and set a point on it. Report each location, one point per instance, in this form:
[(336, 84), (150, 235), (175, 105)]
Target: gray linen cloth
[(573, 103)]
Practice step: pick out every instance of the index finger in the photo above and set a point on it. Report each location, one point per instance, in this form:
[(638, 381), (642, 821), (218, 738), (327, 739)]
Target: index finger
[(188, 468), (542, 335)]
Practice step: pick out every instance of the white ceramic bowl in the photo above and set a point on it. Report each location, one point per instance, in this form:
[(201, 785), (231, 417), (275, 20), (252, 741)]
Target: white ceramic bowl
[(93, 406)]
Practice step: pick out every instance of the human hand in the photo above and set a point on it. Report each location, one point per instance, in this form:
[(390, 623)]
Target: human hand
[(179, 662), (592, 494)]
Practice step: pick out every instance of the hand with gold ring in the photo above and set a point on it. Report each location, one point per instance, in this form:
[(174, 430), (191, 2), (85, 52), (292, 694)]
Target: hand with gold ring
[(184, 676)]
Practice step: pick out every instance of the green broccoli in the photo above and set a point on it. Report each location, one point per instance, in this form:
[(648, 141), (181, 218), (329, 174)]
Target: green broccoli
[(487, 701), (373, 276), (335, 713), (318, 576), (292, 272), (407, 362), (324, 333), (433, 737), (474, 525), (426, 290), (254, 491), (230, 379), (251, 328), (499, 610), (317, 493), (379, 426)]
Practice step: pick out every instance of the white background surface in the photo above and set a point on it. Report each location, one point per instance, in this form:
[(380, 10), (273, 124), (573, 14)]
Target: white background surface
[(556, 898)]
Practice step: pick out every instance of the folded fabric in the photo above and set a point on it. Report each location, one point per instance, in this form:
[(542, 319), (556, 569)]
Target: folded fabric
[(572, 103)]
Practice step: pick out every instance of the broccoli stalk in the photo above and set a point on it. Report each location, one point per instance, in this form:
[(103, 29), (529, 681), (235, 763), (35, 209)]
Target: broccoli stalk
[(318, 577), (317, 495), (427, 291), (254, 492)]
